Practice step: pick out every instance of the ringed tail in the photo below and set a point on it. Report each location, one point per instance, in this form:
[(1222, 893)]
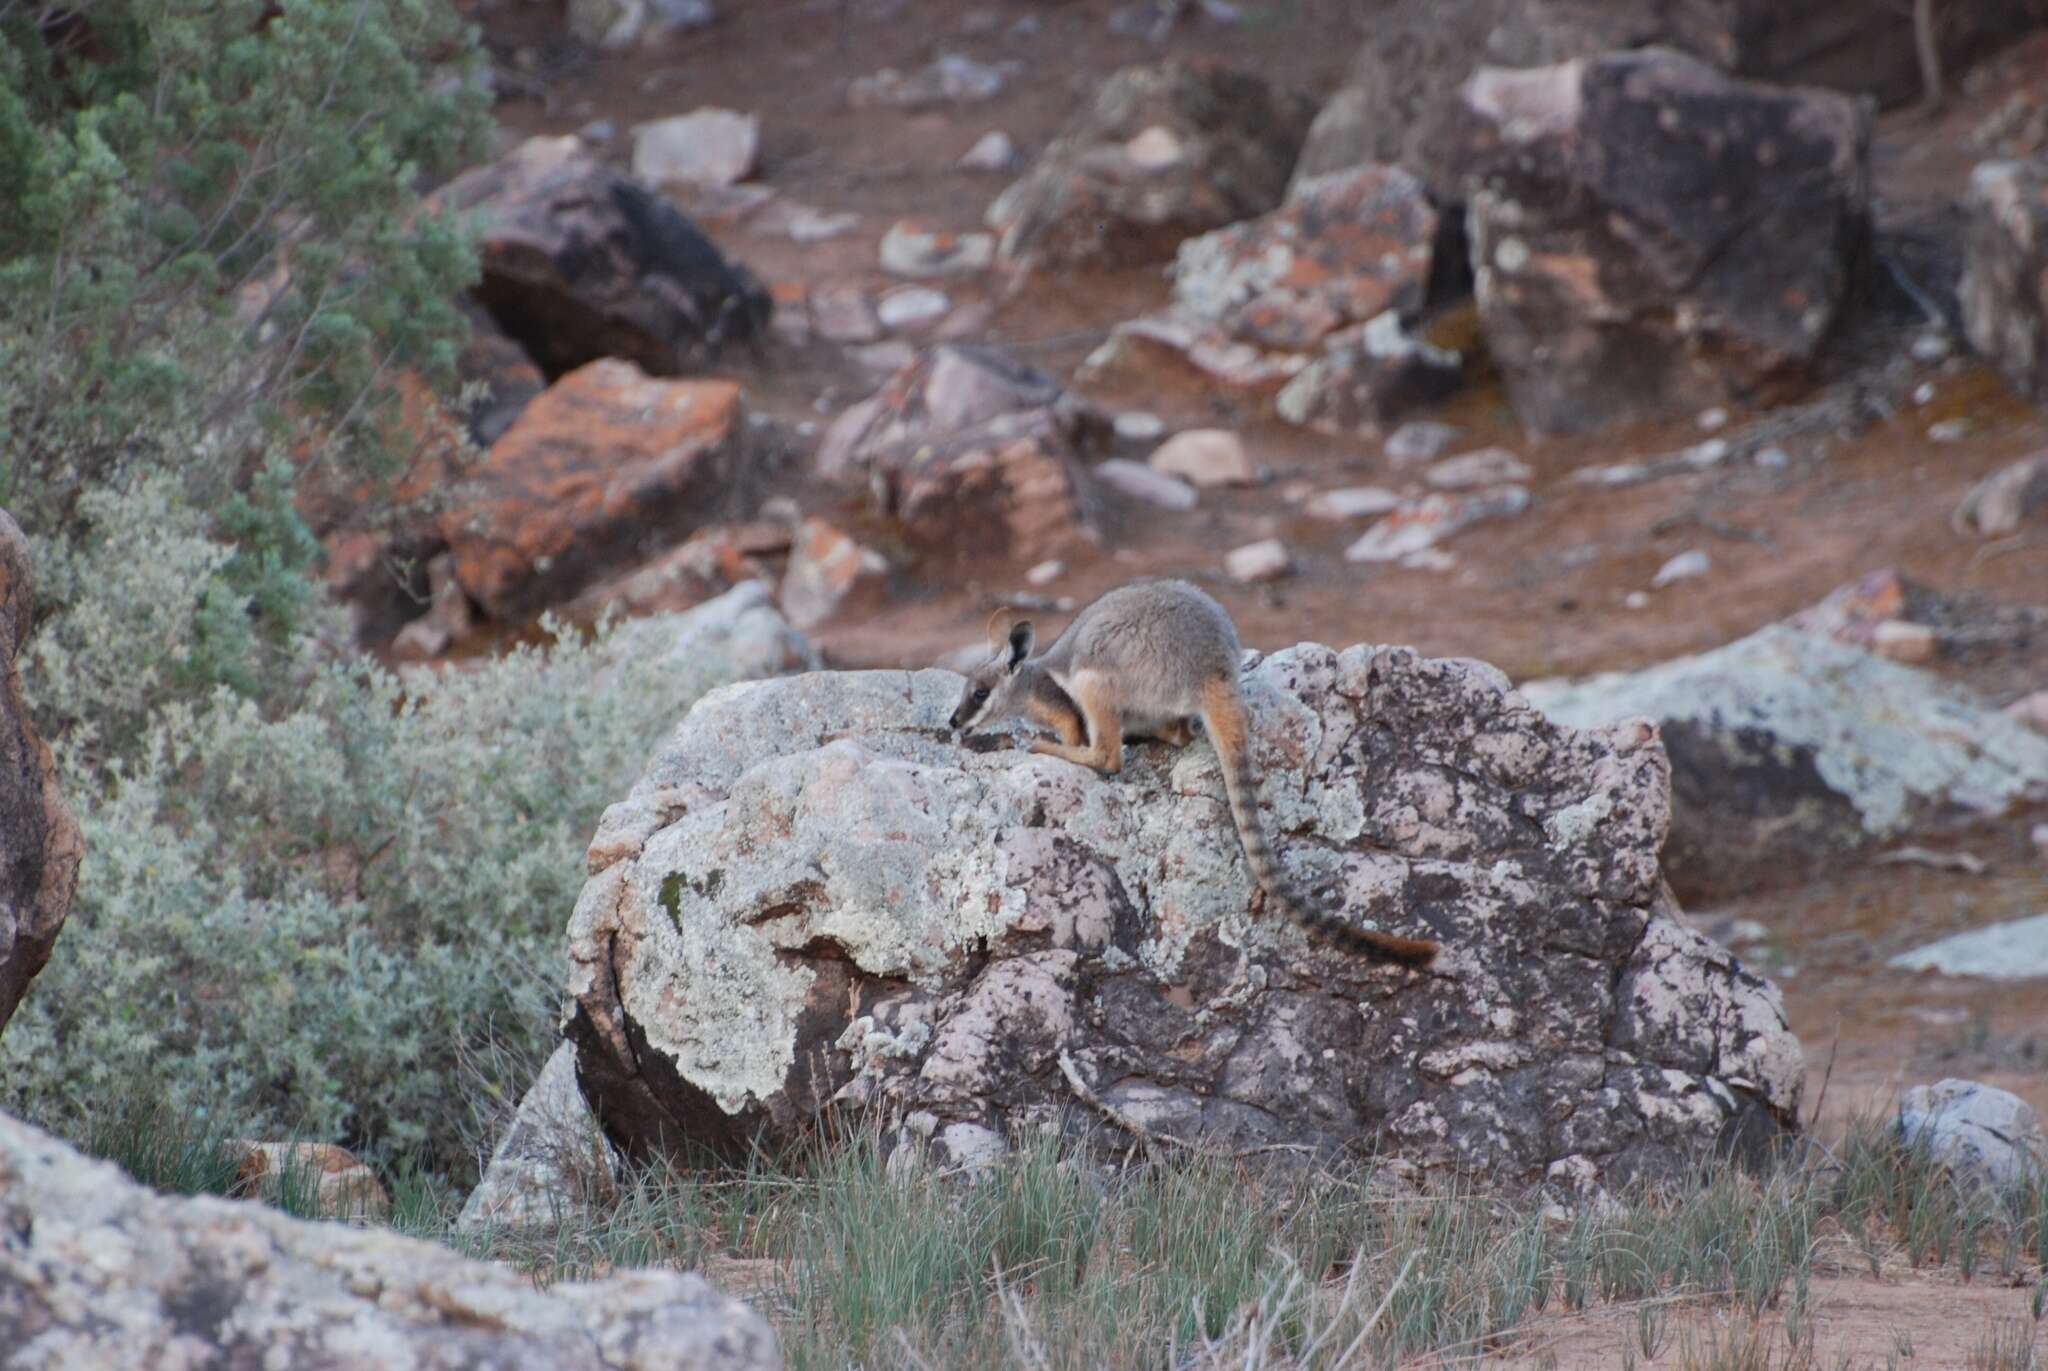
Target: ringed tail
[(1223, 715)]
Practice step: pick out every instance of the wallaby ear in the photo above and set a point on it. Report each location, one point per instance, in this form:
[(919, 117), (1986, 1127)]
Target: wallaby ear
[(1021, 636), (999, 625)]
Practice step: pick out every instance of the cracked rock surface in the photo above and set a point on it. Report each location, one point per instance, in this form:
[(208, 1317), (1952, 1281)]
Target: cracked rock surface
[(97, 1271), (816, 895)]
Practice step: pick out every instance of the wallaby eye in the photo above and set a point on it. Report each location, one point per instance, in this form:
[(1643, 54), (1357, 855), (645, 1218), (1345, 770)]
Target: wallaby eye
[(980, 694)]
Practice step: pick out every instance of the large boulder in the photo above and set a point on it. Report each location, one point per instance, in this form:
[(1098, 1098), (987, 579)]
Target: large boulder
[(2005, 272), (1162, 153), (550, 1164), (1649, 234), (97, 1271), (1787, 747), (814, 894), (970, 451), (603, 469), (580, 262), (39, 837), (1401, 84)]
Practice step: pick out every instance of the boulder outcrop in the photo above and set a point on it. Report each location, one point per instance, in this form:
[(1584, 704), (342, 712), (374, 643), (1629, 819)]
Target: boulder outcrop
[(97, 1271), (39, 836), (605, 468), (1648, 234), (580, 263), (1788, 745), (970, 450), (815, 896), (2005, 272), (1162, 153)]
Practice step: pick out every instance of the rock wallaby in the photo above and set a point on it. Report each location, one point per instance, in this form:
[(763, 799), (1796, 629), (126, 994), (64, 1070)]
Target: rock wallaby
[(1146, 661)]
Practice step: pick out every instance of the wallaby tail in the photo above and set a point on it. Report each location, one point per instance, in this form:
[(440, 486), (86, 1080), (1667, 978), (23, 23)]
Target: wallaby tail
[(1223, 715)]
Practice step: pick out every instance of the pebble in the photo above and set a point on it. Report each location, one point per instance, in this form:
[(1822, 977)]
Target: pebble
[(706, 147), (1710, 453), (1418, 441), (807, 225), (841, 313), (1900, 640), (1487, 466), (1930, 347), (1138, 426), (1923, 393), (1683, 567), (885, 358), (1713, 420), (1773, 458), (1636, 599), (1045, 573), (1266, 560), (1948, 431), (1141, 482), (993, 151), (1353, 502), (1205, 457), (911, 307), (909, 249)]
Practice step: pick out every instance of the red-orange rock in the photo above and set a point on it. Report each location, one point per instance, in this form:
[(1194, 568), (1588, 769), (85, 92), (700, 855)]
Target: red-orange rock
[(828, 572), (603, 469)]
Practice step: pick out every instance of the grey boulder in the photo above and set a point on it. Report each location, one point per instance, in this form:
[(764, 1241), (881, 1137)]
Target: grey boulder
[(1786, 746), (97, 1271), (815, 894)]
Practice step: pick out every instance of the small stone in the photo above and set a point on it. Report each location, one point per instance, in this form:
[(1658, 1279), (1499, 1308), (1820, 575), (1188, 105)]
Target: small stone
[(2040, 836), (598, 132), (1930, 347), (1206, 457), (883, 358), (1683, 567), (1426, 522), (1773, 458), (1948, 431), (841, 313), (1418, 441), (909, 249), (1266, 560), (1710, 453), (1155, 148), (1353, 502), (1141, 482), (1139, 426), (2031, 710), (1713, 420), (993, 151), (912, 307), (1487, 466), (1924, 393), (707, 147), (1045, 573), (808, 225), (950, 80), (1636, 599), (1900, 640)]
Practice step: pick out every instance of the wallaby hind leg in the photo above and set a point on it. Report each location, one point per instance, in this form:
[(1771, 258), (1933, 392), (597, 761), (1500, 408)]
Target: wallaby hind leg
[(1105, 750), (1179, 733)]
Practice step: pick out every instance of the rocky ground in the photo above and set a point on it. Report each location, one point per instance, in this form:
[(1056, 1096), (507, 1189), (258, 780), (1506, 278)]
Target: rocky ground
[(1863, 469)]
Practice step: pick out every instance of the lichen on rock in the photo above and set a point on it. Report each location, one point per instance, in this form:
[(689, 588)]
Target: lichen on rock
[(816, 898)]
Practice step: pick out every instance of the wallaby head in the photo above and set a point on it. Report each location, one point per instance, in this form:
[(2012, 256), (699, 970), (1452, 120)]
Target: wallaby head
[(991, 694)]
